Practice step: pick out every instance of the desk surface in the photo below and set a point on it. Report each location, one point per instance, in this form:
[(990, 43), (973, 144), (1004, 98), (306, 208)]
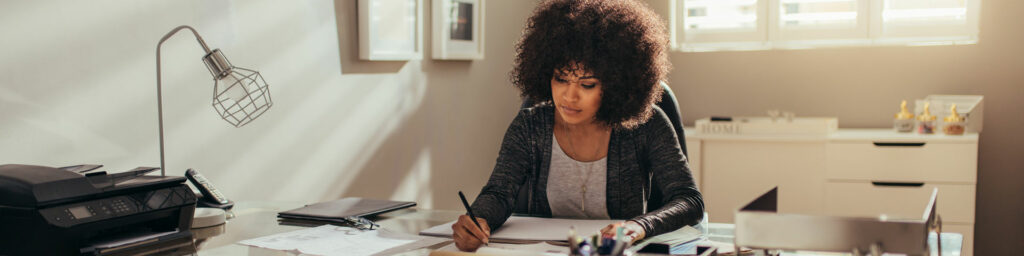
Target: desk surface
[(259, 218)]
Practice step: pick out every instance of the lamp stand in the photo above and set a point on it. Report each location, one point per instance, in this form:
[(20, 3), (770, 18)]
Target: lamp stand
[(159, 96)]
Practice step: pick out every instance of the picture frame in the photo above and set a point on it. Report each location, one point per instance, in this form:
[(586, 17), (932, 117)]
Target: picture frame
[(390, 30), (458, 29)]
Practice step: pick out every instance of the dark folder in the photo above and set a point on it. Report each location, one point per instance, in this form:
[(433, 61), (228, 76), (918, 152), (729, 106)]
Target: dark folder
[(339, 209)]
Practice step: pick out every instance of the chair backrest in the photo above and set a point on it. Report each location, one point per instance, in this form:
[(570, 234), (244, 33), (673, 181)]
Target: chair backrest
[(668, 104)]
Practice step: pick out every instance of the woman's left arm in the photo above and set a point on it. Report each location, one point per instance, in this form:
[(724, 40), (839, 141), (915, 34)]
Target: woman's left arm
[(683, 204)]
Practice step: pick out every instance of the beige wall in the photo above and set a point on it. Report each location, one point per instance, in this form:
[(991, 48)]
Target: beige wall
[(863, 88), (77, 85), (452, 139)]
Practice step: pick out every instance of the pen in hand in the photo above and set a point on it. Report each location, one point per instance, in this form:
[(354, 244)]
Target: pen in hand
[(469, 211)]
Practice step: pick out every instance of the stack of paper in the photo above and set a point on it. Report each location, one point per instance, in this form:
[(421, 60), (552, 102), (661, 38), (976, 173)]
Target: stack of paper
[(680, 241)]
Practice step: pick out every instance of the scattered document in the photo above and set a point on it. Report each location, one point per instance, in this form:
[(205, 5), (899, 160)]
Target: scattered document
[(336, 240), (519, 229)]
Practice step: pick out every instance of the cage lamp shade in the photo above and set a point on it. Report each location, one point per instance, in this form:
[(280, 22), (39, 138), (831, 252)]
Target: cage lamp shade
[(239, 95)]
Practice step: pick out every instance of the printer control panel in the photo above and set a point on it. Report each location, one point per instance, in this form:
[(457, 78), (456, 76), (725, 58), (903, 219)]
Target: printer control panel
[(116, 206)]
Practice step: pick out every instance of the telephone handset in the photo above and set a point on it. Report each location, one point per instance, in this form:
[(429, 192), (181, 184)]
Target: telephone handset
[(212, 197)]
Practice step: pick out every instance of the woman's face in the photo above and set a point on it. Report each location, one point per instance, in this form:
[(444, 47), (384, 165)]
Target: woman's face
[(577, 95)]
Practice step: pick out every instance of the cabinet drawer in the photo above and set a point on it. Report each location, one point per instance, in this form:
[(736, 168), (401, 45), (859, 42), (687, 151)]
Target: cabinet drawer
[(864, 199), (902, 161)]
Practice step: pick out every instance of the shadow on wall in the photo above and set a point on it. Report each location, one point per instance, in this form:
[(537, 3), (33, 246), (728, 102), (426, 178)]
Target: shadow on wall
[(398, 157), (399, 150), (448, 123), (347, 21), (413, 160)]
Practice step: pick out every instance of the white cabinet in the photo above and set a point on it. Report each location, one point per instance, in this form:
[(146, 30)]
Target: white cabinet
[(851, 172), (873, 172), (885, 160)]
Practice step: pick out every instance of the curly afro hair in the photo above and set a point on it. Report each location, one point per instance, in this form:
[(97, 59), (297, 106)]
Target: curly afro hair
[(622, 42)]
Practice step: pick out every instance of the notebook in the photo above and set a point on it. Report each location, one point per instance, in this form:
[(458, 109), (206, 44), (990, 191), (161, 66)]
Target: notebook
[(346, 207), (523, 229)]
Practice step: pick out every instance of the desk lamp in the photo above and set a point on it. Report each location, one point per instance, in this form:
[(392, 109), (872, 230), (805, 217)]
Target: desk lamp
[(239, 95)]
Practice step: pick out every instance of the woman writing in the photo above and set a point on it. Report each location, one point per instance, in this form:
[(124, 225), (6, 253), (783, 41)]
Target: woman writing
[(594, 146)]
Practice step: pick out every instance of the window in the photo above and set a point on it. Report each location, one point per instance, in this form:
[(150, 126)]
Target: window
[(798, 14), (709, 25), (722, 21)]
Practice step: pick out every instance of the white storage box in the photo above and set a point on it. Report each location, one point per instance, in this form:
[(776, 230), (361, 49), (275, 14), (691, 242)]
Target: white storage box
[(768, 126)]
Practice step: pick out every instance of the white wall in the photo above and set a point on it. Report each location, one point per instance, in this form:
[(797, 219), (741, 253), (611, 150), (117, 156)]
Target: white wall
[(77, 85)]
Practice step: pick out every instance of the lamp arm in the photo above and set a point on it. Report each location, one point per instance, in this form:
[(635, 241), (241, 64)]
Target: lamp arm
[(175, 30), (159, 96)]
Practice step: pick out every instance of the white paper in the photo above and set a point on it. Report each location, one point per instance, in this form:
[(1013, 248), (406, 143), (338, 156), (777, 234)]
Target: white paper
[(515, 249), (680, 241), (335, 240), (531, 229), (679, 236)]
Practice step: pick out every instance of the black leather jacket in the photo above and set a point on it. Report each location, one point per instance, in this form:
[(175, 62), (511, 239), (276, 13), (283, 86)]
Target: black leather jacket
[(649, 179)]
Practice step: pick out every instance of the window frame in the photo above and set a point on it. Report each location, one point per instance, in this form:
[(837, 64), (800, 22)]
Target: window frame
[(870, 30), (724, 35)]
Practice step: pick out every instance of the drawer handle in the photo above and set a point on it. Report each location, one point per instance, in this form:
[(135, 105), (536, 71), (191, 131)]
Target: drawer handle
[(899, 144), (897, 184)]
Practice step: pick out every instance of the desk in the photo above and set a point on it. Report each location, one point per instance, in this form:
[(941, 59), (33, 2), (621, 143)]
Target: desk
[(259, 218)]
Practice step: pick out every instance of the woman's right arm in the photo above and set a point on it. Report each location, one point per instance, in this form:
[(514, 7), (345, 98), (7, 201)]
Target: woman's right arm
[(497, 199)]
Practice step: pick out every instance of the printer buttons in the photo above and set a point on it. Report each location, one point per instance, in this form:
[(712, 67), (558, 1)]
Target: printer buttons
[(119, 206)]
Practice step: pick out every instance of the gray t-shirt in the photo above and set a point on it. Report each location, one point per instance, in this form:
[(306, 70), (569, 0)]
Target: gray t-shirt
[(566, 182)]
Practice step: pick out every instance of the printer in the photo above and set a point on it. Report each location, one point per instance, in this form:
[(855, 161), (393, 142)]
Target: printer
[(54, 211)]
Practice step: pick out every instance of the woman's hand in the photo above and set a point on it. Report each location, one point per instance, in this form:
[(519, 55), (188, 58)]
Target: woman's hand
[(467, 236), (630, 229)]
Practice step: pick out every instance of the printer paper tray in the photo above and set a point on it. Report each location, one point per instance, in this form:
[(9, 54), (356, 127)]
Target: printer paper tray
[(133, 240)]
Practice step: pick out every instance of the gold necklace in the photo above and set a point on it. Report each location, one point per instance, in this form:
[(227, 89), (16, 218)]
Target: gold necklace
[(576, 163)]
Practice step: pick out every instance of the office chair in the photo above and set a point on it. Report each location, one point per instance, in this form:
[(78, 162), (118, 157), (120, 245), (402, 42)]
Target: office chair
[(668, 104)]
